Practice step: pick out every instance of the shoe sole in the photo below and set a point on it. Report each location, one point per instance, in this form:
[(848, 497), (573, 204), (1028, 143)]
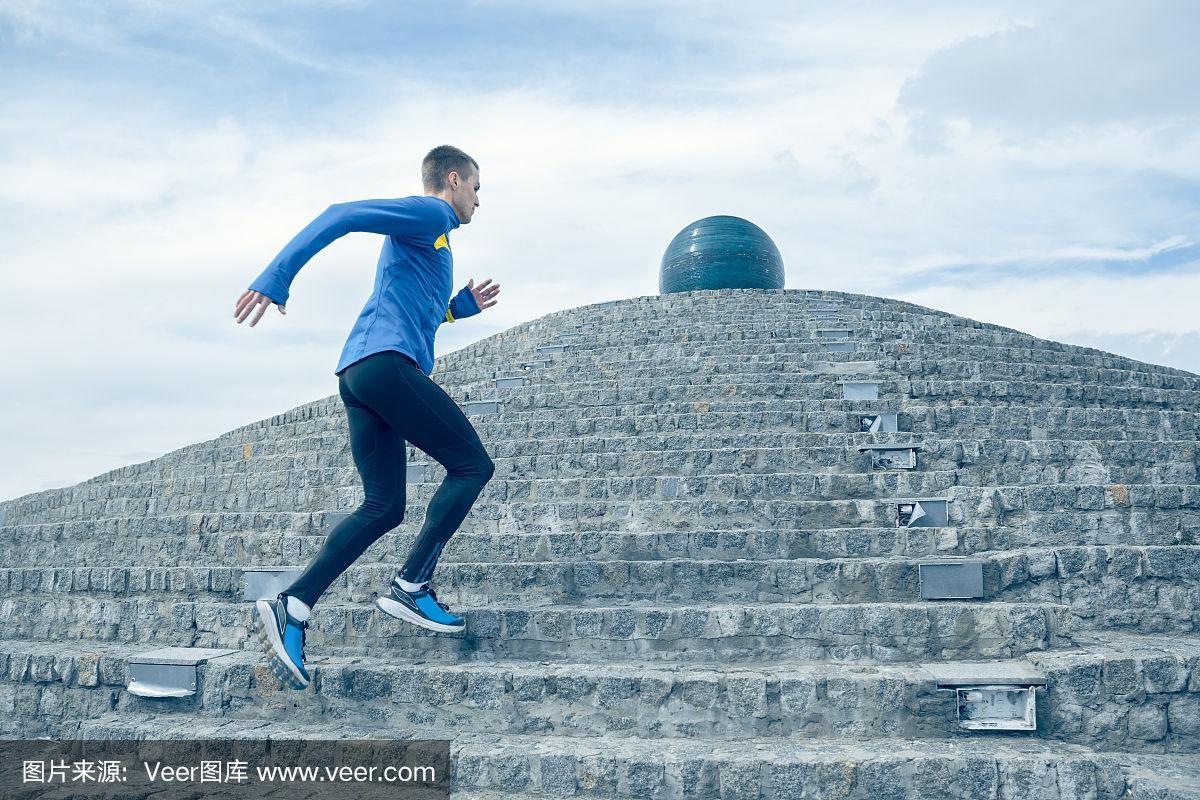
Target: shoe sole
[(403, 612), (272, 645)]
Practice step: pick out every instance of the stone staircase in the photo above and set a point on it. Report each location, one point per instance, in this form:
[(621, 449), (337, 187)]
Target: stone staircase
[(686, 578)]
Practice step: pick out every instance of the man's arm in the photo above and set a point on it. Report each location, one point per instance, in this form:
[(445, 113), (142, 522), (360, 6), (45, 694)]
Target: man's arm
[(402, 217), (462, 305)]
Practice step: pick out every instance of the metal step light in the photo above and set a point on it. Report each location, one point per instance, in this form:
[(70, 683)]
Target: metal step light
[(481, 407), (827, 334), (860, 390), (998, 696), (569, 337), (512, 382), (839, 347), (851, 367), (547, 349), (951, 580), (170, 671), (878, 423), (997, 708), (924, 513), (528, 365), (892, 456), (330, 520), (268, 581), (585, 326)]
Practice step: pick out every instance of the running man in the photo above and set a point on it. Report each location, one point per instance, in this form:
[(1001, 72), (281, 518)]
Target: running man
[(383, 379)]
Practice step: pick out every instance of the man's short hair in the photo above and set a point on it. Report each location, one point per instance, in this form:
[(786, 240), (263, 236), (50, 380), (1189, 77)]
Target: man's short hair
[(441, 161)]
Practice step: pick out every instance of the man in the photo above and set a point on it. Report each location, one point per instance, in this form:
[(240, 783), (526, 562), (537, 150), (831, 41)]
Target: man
[(383, 379)]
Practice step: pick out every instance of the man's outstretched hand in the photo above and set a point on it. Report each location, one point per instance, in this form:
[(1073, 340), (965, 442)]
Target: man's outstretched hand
[(483, 293), (250, 300)]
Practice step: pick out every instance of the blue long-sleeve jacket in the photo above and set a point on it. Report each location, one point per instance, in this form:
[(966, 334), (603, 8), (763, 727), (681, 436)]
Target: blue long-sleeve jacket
[(413, 278)]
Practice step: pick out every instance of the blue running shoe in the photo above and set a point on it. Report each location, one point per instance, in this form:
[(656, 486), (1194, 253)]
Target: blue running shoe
[(420, 608), (282, 637)]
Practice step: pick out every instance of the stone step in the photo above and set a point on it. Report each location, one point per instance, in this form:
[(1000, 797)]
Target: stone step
[(707, 451), (735, 363), (1042, 421), (226, 539), (1115, 385), (755, 310), (833, 417), (885, 632), (328, 419), (896, 343), (1088, 489), (1014, 392), (1130, 693), (826, 388), (981, 448), (644, 502), (843, 472), (987, 462), (677, 378), (998, 519), (746, 769), (681, 336), (700, 340), (1147, 589), (924, 424), (755, 315), (680, 375)]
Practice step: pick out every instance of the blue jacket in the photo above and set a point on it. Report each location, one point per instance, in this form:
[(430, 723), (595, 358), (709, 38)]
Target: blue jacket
[(413, 277)]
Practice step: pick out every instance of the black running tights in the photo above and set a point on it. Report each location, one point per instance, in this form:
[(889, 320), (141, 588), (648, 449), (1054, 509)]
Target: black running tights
[(389, 400)]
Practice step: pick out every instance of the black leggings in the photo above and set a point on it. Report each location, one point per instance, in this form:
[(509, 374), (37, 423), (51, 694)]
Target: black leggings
[(388, 400)]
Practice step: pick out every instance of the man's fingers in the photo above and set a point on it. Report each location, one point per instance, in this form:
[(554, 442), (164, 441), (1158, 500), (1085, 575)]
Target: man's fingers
[(249, 302), (245, 304), (245, 308)]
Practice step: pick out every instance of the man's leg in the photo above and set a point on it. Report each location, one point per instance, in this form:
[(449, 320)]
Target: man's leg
[(379, 455), (421, 411)]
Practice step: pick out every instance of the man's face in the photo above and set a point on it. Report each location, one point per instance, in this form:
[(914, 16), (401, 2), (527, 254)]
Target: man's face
[(464, 195)]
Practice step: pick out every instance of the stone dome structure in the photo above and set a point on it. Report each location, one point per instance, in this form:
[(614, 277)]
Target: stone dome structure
[(739, 544)]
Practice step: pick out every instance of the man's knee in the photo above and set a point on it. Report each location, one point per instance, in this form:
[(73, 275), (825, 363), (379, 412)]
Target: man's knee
[(386, 514), (480, 469), (488, 469)]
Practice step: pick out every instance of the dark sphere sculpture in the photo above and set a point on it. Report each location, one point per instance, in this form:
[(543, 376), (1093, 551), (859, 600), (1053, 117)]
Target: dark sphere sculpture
[(720, 252)]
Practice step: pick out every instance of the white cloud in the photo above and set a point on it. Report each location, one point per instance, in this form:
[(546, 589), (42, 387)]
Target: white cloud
[(1077, 67)]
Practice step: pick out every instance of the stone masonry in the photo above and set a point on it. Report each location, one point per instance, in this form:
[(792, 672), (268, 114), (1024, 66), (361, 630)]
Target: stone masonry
[(691, 576)]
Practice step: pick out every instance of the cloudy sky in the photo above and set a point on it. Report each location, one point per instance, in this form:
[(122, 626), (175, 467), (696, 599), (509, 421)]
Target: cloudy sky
[(1033, 164)]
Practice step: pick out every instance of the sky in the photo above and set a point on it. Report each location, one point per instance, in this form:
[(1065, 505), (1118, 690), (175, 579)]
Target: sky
[(1030, 164)]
